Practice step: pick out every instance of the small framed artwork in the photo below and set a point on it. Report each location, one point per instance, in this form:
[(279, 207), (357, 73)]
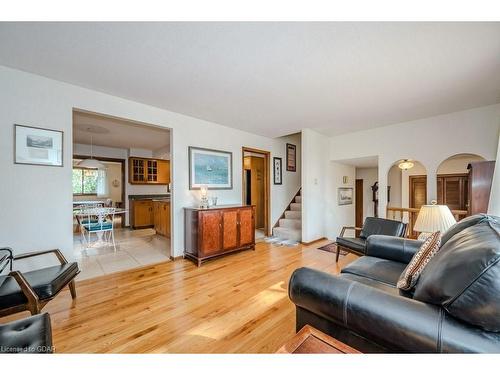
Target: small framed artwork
[(277, 171), (291, 155), (212, 168), (38, 146), (345, 196)]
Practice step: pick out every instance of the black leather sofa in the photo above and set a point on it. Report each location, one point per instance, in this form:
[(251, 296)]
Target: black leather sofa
[(29, 335), (455, 306)]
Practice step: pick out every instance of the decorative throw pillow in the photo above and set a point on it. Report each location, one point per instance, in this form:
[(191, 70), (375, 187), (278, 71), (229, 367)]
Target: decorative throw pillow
[(429, 248)]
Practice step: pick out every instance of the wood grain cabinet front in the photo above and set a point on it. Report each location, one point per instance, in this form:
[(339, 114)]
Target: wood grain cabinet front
[(218, 231)]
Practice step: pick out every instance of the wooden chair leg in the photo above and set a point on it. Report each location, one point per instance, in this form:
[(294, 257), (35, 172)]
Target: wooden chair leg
[(34, 308), (338, 254), (72, 289)]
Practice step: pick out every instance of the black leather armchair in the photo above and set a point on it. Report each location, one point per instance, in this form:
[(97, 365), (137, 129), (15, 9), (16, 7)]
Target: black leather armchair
[(363, 308), (34, 289), (29, 335), (371, 226)]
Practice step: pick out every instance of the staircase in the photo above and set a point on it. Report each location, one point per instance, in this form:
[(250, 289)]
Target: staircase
[(289, 227)]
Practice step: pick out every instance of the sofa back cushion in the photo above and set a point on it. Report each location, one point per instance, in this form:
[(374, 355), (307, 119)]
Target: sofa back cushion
[(376, 225), (464, 276), (461, 225)]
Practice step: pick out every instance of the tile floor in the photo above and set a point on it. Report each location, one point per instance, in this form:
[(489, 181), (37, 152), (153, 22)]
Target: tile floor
[(134, 248)]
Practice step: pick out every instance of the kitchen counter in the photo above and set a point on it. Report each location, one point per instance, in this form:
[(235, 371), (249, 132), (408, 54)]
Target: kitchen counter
[(149, 197), (217, 207)]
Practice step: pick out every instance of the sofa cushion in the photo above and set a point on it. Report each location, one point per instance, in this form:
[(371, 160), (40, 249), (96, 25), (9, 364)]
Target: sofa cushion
[(357, 244), (464, 276), (46, 282), (376, 225), (382, 270), (410, 275), (461, 225), (28, 335)]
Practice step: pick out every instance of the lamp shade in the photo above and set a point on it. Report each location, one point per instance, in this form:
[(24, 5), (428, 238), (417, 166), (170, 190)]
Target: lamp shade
[(433, 218), (91, 164)]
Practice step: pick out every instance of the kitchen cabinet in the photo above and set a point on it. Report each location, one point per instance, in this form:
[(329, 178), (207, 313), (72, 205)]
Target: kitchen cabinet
[(141, 213), (217, 231), (144, 171), (161, 211)]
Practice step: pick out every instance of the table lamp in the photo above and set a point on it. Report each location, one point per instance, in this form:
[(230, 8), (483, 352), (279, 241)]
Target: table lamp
[(204, 196), (432, 218)]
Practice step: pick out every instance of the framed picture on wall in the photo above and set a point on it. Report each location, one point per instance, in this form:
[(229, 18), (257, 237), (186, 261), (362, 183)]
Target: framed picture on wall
[(291, 157), (277, 171), (345, 196), (212, 168), (38, 146)]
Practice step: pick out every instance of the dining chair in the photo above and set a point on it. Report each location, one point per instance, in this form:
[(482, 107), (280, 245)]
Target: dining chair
[(98, 221)]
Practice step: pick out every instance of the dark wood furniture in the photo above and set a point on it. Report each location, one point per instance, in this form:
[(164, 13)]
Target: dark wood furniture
[(146, 171), (480, 180), (32, 290), (218, 230), (311, 341)]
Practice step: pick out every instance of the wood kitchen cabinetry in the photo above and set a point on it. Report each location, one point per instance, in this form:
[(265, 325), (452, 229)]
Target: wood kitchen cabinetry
[(161, 210), (143, 171), (217, 231), (141, 213)]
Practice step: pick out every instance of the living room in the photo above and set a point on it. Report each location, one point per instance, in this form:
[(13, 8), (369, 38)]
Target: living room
[(333, 187)]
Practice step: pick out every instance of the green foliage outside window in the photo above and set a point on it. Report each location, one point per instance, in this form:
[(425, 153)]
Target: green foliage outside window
[(84, 181)]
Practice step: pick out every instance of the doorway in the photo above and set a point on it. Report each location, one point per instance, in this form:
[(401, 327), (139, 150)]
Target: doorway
[(256, 187)]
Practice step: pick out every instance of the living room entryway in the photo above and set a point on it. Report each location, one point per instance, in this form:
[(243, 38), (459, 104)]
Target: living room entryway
[(121, 194)]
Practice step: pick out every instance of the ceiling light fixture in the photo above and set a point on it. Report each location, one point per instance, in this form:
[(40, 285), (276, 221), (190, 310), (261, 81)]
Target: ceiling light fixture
[(91, 163), (405, 164)]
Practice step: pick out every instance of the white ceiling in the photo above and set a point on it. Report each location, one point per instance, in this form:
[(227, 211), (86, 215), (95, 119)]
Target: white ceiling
[(272, 78), (112, 132), (364, 162)]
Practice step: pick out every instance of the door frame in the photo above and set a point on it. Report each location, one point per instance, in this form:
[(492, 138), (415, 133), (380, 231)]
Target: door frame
[(267, 182)]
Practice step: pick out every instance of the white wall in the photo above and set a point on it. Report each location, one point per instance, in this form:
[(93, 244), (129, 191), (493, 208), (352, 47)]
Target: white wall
[(494, 204), (457, 164), (369, 177), (314, 181), (36, 201), (394, 179), (338, 216)]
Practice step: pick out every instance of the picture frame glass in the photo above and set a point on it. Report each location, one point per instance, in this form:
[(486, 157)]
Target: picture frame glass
[(212, 168), (345, 196), (277, 171), (291, 161), (38, 146)]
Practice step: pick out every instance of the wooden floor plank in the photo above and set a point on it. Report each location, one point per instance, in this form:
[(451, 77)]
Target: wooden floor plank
[(235, 304)]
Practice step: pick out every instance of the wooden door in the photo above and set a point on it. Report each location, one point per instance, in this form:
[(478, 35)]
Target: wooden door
[(418, 191), (246, 226), (210, 232), (480, 181), (359, 204), (453, 191), (143, 213), (230, 229)]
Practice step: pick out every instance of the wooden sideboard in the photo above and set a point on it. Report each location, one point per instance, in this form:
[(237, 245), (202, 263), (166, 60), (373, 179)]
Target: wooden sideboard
[(218, 230)]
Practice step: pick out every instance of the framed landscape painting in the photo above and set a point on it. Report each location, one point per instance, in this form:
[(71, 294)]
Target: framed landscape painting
[(345, 196), (38, 146), (212, 168)]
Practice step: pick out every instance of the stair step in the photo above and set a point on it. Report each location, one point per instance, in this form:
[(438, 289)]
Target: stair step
[(288, 234), (296, 207), (290, 223), (293, 214), (298, 199)]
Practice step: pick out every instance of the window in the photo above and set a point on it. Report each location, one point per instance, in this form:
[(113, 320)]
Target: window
[(85, 181)]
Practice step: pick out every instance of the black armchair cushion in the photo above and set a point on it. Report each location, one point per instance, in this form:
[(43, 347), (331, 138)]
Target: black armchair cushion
[(461, 225), (392, 248), (29, 335), (376, 225), (356, 244), (378, 269), (46, 282), (464, 276)]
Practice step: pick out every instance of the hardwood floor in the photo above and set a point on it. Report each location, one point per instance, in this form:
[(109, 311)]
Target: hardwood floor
[(238, 303)]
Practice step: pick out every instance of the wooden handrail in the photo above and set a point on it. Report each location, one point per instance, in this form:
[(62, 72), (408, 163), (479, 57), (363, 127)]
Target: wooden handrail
[(412, 216)]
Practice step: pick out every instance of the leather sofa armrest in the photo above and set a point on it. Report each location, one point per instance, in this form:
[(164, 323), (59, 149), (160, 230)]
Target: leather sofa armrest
[(392, 248), (393, 321)]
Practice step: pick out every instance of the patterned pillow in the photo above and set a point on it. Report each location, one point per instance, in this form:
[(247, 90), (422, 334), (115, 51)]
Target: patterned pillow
[(410, 275)]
